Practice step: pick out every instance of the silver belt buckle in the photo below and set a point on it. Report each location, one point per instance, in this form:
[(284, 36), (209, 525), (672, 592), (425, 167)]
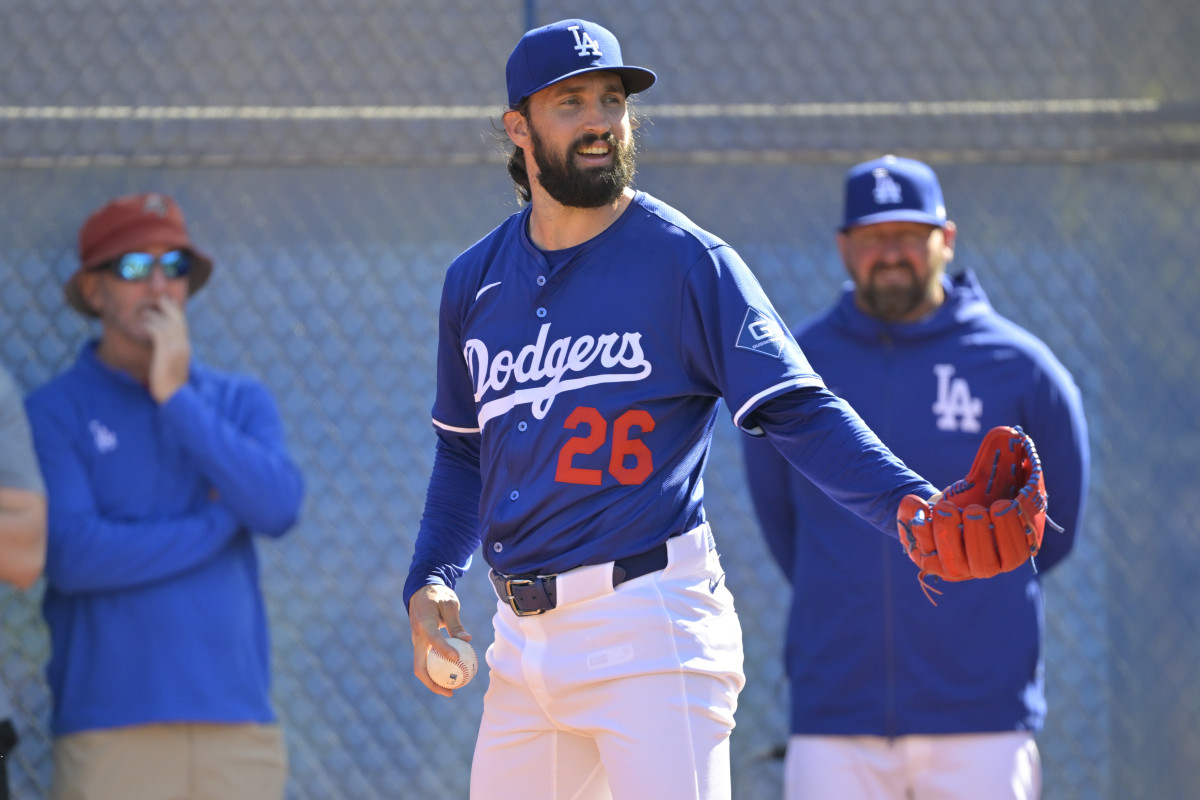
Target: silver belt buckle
[(512, 601)]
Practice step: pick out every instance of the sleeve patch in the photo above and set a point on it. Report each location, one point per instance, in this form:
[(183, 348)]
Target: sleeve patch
[(761, 333)]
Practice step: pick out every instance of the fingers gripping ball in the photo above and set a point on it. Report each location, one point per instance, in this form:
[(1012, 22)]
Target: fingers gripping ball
[(453, 674), (989, 522)]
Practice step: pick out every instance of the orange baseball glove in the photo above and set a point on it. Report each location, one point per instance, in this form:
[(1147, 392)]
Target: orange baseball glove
[(989, 522)]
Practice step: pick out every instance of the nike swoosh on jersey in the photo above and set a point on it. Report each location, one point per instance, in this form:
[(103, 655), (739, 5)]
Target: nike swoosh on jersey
[(484, 289)]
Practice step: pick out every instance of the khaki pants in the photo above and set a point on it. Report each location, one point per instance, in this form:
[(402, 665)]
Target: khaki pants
[(171, 762)]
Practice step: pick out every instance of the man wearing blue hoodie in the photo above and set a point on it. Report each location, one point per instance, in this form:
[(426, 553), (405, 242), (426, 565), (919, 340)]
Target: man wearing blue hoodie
[(159, 471), (891, 696)]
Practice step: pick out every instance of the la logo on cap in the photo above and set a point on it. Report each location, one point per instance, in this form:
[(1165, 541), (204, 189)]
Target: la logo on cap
[(886, 189), (155, 205), (585, 42)]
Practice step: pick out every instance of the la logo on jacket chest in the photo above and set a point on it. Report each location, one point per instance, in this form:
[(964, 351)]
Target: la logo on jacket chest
[(955, 408), (104, 439)]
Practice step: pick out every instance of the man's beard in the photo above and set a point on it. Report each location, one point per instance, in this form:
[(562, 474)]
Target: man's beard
[(894, 303), (591, 187)]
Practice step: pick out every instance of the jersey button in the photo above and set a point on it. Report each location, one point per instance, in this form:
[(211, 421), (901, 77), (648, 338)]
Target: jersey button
[(541, 312), (497, 547), (514, 494), (541, 280), (522, 425)]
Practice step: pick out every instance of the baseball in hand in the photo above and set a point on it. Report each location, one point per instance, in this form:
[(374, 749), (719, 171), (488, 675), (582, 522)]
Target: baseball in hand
[(453, 674)]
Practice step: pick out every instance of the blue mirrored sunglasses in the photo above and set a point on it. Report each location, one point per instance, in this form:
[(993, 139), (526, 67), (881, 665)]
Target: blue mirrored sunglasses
[(138, 266)]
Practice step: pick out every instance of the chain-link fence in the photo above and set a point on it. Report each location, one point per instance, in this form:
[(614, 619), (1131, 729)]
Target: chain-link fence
[(335, 155)]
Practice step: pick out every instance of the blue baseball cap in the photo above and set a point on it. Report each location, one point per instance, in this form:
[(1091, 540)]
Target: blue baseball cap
[(554, 52), (892, 189)]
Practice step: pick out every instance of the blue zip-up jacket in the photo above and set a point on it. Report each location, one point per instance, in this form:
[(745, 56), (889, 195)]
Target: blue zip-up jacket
[(866, 652), (152, 580)]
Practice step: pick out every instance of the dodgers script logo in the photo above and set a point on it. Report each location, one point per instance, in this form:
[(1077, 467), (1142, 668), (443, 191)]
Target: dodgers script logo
[(886, 191), (619, 355), (585, 42), (955, 408)]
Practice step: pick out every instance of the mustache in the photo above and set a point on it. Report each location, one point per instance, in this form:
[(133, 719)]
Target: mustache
[(588, 139), (903, 263)]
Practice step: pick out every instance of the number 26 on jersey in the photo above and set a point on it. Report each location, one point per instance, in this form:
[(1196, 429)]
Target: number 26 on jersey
[(629, 459)]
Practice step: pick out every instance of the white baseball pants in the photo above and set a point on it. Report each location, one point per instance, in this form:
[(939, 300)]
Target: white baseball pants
[(974, 766), (624, 694)]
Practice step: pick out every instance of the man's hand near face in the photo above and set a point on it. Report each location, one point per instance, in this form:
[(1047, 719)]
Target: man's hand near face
[(167, 325)]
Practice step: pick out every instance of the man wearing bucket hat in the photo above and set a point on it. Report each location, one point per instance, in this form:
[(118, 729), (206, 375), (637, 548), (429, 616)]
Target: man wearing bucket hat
[(893, 697), (585, 346), (159, 471)]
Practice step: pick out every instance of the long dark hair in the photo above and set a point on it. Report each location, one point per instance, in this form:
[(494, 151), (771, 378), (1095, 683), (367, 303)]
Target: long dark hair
[(516, 162)]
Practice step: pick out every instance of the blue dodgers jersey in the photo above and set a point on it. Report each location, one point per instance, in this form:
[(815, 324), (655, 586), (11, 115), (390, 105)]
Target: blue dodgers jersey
[(595, 386)]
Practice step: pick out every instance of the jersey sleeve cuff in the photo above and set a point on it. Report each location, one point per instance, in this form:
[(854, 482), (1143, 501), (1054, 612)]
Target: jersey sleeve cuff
[(810, 381), (437, 423)]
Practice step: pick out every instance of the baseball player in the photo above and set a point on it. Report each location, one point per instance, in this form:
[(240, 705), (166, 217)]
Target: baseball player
[(893, 698), (585, 346)]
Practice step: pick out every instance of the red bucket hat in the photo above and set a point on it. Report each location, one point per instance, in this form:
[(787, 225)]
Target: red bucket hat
[(128, 224)]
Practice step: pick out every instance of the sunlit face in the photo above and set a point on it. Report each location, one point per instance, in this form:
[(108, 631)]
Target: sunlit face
[(580, 140), (122, 305), (897, 267)]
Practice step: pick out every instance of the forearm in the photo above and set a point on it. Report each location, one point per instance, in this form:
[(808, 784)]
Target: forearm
[(266, 494), (250, 469), (824, 438), (88, 553), (22, 536), (449, 531)]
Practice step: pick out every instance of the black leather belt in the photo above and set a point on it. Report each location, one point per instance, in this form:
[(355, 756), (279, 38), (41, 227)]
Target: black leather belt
[(531, 594)]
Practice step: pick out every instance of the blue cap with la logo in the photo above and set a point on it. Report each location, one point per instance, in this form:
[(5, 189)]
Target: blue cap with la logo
[(892, 189), (554, 52)]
